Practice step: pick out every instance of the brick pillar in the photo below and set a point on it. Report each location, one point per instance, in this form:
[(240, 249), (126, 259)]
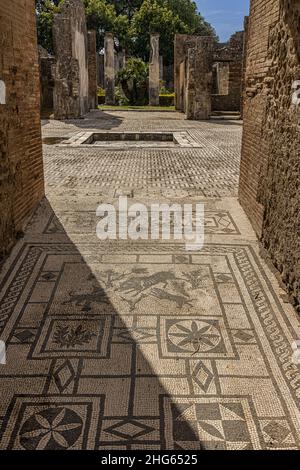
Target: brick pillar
[(92, 64), (109, 69), (199, 79), (154, 71)]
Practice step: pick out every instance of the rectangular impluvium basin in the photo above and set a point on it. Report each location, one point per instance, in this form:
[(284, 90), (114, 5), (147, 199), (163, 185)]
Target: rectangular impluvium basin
[(130, 139), (123, 140)]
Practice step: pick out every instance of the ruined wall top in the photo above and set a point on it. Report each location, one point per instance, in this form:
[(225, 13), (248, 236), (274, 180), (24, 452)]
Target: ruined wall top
[(231, 50), (71, 18)]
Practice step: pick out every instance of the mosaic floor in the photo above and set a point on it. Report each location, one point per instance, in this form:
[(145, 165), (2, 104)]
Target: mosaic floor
[(122, 345)]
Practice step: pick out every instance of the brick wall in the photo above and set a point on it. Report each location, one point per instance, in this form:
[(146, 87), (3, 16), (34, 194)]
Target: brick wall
[(270, 168), (21, 167)]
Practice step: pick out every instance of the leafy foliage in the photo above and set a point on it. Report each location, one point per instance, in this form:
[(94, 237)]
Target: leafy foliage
[(154, 17), (133, 79), (102, 17), (188, 13), (126, 7), (46, 9), (132, 22)]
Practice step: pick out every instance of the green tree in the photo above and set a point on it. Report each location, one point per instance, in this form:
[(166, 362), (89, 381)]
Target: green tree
[(39, 4), (133, 79), (126, 7), (154, 17), (46, 9), (132, 22), (102, 17), (187, 11)]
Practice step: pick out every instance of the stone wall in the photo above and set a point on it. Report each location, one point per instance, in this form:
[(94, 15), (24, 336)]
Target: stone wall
[(168, 76), (71, 91), (46, 64), (221, 71), (199, 79), (183, 42), (229, 56), (270, 168), (226, 68), (21, 166)]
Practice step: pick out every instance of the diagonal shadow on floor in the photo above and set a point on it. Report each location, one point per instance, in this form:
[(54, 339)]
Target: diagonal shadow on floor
[(76, 376)]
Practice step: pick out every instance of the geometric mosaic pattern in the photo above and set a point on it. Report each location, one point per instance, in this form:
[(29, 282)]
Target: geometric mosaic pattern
[(210, 424), (143, 345)]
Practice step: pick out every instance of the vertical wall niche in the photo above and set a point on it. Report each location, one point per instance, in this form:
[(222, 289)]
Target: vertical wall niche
[(221, 78)]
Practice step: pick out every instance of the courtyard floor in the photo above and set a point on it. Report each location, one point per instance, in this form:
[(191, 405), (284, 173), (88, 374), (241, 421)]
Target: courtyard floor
[(143, 345)]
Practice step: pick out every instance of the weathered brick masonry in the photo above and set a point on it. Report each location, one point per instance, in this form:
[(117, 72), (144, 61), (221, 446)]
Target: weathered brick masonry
[(270, 169), (21, 167)]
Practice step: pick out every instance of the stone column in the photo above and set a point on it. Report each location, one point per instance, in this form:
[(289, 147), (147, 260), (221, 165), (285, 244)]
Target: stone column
[(122, 60), (154, 71), (199, 79), (101, 79), (109, 69), (161, 67), (92, 64)]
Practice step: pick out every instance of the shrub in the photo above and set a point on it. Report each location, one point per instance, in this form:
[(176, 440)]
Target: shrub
[(167, 100), (133, 79), (121, 99), (101, 91)]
